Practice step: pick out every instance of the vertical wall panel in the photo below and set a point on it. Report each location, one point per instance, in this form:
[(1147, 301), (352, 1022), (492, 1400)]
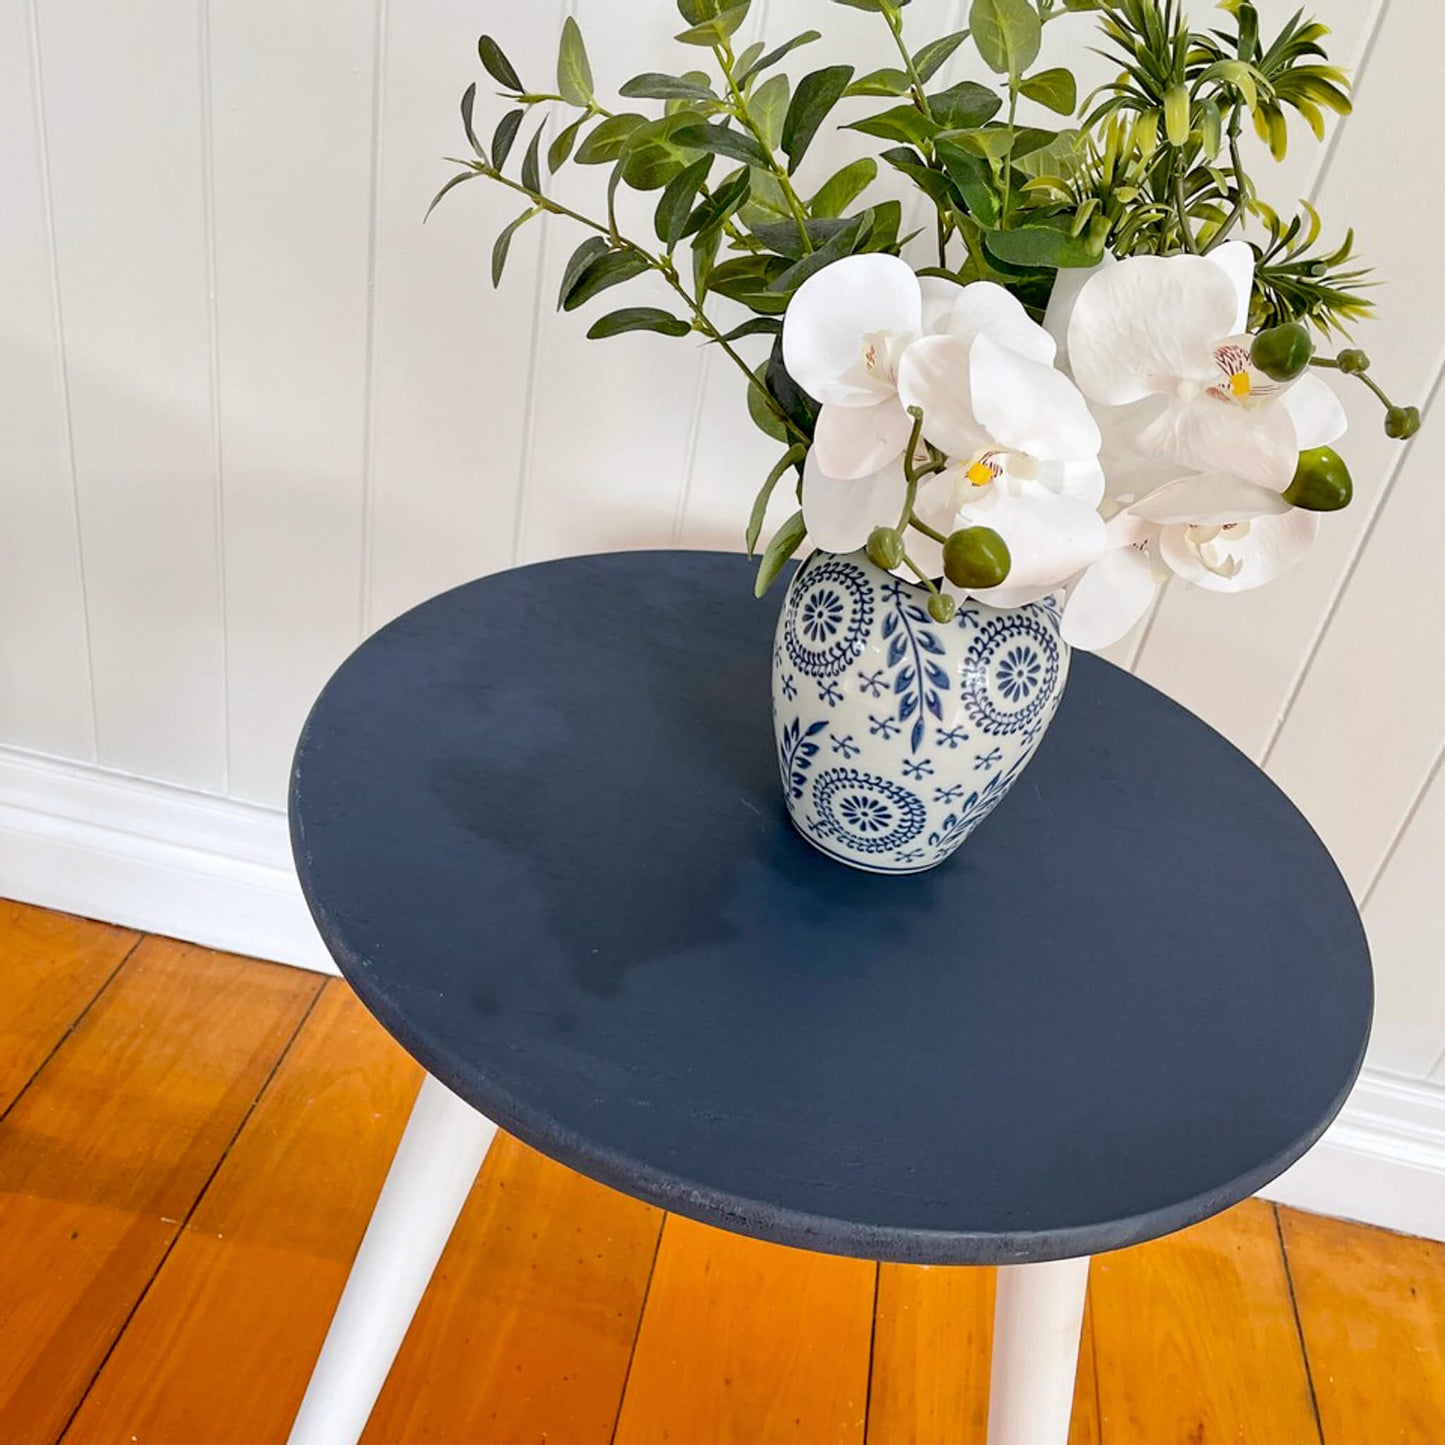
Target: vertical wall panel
[(122, 91), (452, 356), (291, 107), (1234, 659), (44, 666), (1405, 917)]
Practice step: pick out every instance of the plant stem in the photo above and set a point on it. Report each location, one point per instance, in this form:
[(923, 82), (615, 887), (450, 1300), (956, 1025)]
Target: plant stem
[(1181, 208), (926, 530), (664, 267), (1332, 364), (895, 27), (918, 572), (1008, 160), (726, 59), (1237, 214)]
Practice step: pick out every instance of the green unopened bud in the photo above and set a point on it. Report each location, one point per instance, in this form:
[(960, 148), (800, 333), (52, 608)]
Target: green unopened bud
[(1282, 352), (1321, 482), (941, 606), (1402, 422), (976, 557), (1353, 362), (885, 548)]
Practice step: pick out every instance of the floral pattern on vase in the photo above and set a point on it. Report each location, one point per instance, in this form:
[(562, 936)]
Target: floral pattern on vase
[(898, 735)]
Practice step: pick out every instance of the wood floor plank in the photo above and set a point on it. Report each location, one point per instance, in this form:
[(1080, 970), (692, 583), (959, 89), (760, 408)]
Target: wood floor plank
[(1372, 1310), (1195, 1338), (222, 1346), (931, 1355), (527, 1330), (743, 1342), (109, 1147), (51, 967)]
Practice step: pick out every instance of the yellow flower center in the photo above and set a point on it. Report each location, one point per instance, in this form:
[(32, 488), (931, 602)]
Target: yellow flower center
[(1239, 385), (984, 469)]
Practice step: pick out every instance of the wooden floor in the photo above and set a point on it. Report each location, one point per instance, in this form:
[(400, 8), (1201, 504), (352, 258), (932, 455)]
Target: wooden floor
[(190, 1144)]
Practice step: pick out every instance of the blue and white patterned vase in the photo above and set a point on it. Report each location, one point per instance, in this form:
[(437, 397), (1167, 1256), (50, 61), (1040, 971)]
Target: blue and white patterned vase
[(897, 735)]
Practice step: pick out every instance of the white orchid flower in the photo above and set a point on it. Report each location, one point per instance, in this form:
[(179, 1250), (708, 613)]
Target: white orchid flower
[(982, 374), (843, 336), (1217, 531), (1167, 335)]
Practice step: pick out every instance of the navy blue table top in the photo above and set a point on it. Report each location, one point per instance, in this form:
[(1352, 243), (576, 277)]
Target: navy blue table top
[(539, 824)]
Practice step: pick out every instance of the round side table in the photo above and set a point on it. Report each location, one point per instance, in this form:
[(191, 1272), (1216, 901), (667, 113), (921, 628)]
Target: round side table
[(539, 824)]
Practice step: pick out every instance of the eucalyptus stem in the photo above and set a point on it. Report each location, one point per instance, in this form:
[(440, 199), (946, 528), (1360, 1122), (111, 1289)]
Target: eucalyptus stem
[(895, 27), (726, 60), (1008, 160), (1181, 208), (664, 267)]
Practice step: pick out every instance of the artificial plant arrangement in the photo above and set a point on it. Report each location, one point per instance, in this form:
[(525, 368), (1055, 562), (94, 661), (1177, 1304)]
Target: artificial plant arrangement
[(1100, 365)]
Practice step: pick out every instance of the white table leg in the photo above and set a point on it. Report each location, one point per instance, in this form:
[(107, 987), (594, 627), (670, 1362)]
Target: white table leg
[(1036, 1325), (433, 1171)]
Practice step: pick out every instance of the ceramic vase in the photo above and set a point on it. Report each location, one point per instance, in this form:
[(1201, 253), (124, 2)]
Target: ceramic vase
[(898, 735)]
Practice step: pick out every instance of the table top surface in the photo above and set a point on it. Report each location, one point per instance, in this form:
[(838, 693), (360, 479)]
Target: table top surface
[(539, 824)]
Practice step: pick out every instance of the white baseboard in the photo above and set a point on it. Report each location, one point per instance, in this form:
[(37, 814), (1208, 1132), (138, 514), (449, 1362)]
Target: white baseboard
[(1381, 1162), (219, 873), (162, 859)]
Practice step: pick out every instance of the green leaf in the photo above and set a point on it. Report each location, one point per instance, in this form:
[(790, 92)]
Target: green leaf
[(760, 413), (710, 215), (497, 65), (784, 238), (637, 318), (451, 185), (574, 73), (718, 28), (964, 105), (880, 82), (1007, 33), (843, 243), (972, 179), (610, 270), (532, 162), (654, 153), (903, 122), (696, 11), (839, 191), (581, 259), (790, 458), (721, 140), (769, 106), (561, 147), (816, 95), (675, 205), (931, 58), (469, 100), (608, 138), (655, 86), (747, 280), (1176, 114), (705, 247), (1041, 246), (749, 69), (786, 541), (504, 135), (758, 326), (504, 243), (934, 184), (1054, 88)]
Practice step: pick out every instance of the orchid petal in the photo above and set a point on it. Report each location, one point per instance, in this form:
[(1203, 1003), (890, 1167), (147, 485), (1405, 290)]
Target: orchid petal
[(831, 313), (1007, 596), (1028, 407), (856, 441), (1209, 499), (1146, 323), (986, 309), (1236, 259), (935, 375), (1109, 599), (1317, 413), (1081, 478), (939, 293), (1208, 434), (840, 514), (1271, 547), (1068, 283)]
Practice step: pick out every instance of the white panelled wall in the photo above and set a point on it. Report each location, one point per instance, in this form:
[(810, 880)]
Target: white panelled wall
[(251, 409)]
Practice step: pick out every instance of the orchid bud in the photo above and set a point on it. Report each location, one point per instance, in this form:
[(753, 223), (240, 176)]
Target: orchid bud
[(1321, 482), (885, 548), (1402, 422), (976, 557), (941, 606), (1282, 352), (1353, 362)]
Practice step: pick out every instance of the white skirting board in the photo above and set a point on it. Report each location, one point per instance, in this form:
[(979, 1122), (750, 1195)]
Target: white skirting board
[(218, 872)]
